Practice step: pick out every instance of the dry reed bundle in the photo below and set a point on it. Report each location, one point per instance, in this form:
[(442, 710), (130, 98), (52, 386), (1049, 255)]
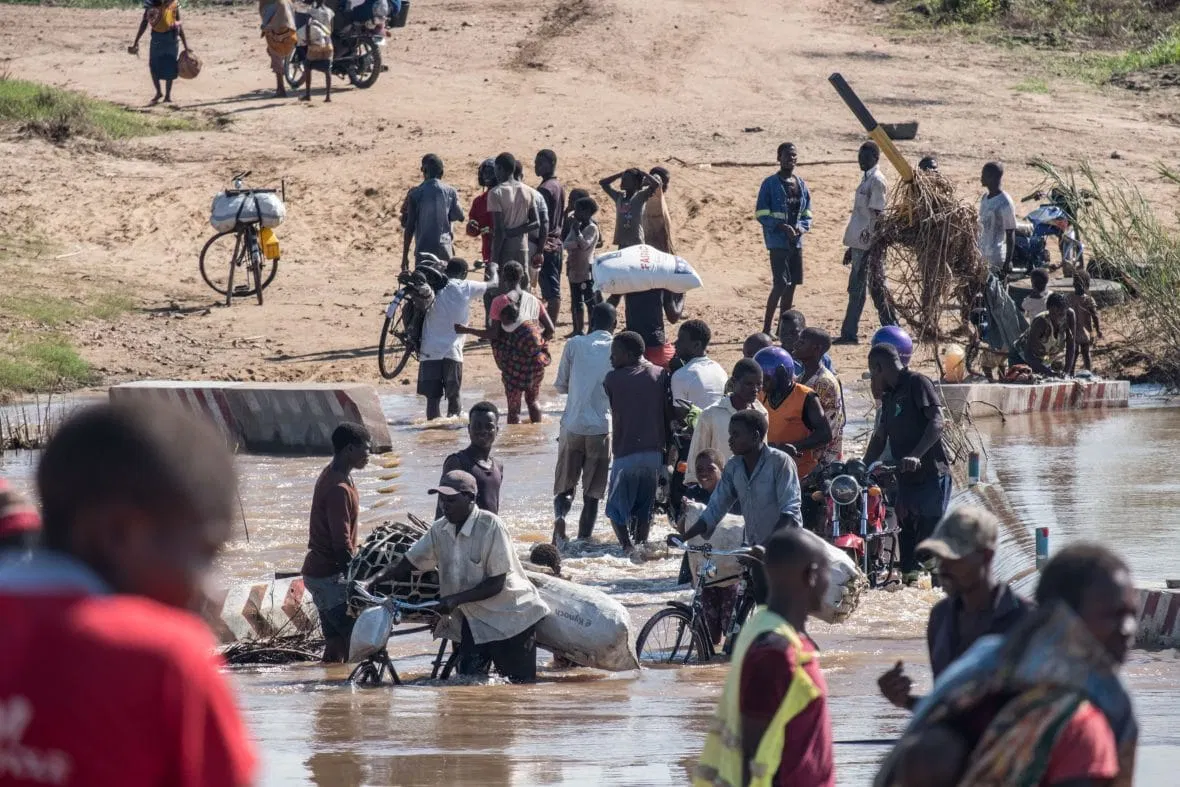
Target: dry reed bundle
[(926, 257)]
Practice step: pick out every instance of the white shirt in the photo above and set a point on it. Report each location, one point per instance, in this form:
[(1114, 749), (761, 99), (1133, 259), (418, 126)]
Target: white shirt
[(1034, 304), (712, 431), (997, 215), (868, 203), (481, 550), (585, 362), (452, 305), (700, 381)]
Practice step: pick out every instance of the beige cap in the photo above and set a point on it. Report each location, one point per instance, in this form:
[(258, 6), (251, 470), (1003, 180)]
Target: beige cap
[(962, 532)]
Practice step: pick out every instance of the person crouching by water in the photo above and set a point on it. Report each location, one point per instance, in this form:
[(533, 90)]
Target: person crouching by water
[(1051, 333), (278, 28), (481, 580), (976, 604), (163, 16), (1043, 704), (772, 725), (332, 537)]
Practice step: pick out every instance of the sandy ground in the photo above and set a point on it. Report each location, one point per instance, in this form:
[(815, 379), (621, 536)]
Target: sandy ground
[(606, 83)]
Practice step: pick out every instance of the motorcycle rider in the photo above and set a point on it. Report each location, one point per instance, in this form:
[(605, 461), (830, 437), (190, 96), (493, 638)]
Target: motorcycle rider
[(798, 425), (911, 421)]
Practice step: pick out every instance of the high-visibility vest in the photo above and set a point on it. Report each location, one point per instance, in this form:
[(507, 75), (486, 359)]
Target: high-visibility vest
[(786, 426), (721, 760)]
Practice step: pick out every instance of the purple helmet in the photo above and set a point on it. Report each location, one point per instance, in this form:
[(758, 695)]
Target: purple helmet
[(892, 334), (771, 358)]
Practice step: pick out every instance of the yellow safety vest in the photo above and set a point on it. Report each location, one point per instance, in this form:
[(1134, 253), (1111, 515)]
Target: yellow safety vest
[(721, 760)]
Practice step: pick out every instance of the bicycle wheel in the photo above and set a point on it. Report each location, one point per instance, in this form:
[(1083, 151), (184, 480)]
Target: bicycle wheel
[(231, 246), (293, 70), (393, 353), (670, 637), (256, 260)]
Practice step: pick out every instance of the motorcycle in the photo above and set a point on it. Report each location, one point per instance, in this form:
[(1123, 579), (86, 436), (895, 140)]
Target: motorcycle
[(1054, 217), (356, 54), (850, 509)]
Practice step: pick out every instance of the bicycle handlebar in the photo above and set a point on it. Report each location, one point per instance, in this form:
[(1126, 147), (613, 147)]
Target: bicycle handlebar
[(707, 548), (378, 600)]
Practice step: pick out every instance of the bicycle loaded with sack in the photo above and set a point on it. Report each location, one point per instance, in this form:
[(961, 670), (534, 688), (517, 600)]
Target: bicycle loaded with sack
[(245, 246), (401, 333)]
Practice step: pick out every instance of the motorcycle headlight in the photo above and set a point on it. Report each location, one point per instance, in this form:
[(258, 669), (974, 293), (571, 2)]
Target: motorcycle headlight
[(844, 489), (710, 570)]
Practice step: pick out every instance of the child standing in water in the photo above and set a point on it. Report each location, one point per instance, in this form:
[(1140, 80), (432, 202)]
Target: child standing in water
[(521, 353), (1085, 309)]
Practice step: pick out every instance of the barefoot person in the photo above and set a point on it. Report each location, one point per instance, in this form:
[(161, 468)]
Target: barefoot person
[(583, 447), (163, 16), (106, 676), (278, 28), (514, 214), (481, 581), (657, 224), (431, 207), (319, 49), (784, 211), (332, 537), (772, 724), (522, 355), (553, 193)]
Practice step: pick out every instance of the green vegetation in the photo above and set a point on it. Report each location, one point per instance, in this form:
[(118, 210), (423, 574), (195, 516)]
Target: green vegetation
[(35, 353), (29, 364), (59, 114), (1127, 241), (1093, 40), (1031, 85)]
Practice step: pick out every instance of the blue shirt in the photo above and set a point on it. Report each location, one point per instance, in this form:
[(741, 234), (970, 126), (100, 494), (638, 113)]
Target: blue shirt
[(776, 206), (433, 205), (765, 495)]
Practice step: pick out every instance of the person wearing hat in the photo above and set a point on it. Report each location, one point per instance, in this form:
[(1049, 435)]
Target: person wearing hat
[(975, 605), (20, 524), (481, 580)]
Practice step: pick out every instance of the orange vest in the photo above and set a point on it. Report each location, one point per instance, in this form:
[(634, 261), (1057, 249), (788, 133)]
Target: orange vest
[(786, 426)]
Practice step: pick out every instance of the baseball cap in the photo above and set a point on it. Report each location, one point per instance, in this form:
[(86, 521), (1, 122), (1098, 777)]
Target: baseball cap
[(962, 532), (17, 514), (455, 482)]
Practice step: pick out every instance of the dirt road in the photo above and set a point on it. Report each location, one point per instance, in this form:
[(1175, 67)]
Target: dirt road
[(606, 83)]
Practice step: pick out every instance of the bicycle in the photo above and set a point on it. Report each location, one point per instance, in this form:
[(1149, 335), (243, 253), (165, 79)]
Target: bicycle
[(401, 334), (680, 634), (247, 253), (372, 669)]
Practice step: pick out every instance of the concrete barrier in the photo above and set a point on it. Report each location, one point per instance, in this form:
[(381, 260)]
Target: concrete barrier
[(1159, 619), (272, 418), (250, 611), (983, 400)]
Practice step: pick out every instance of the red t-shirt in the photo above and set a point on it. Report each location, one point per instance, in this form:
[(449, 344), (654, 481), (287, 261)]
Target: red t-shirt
[(1085, 749), (767, 670), (114, 690), (483, 217)]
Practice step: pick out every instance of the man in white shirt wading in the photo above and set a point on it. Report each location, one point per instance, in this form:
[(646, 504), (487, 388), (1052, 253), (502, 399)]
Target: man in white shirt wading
[(440, 370), (701, 381), (867, 207), (583, 449), (481, 581)]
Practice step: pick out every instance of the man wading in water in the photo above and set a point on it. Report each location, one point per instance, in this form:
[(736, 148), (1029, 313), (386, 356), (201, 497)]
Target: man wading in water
[(332, 537), (481, 581)]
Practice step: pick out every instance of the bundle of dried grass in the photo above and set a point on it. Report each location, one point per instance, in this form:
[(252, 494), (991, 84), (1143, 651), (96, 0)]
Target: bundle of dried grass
[(926, 258), (289, 649)]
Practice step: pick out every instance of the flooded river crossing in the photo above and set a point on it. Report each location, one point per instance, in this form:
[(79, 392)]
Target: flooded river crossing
[(1112, 480)]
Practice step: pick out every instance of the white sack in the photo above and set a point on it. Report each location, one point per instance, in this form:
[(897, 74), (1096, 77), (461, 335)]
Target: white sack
[(640, 268), (229, 210), (728, 535), (584, 625), (370, 633)]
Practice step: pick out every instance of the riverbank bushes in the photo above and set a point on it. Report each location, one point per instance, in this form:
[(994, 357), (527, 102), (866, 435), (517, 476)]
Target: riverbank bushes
[(1126, 240)]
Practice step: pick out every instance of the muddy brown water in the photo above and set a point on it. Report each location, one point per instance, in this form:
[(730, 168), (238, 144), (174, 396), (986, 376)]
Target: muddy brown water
[(1112, 481)]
